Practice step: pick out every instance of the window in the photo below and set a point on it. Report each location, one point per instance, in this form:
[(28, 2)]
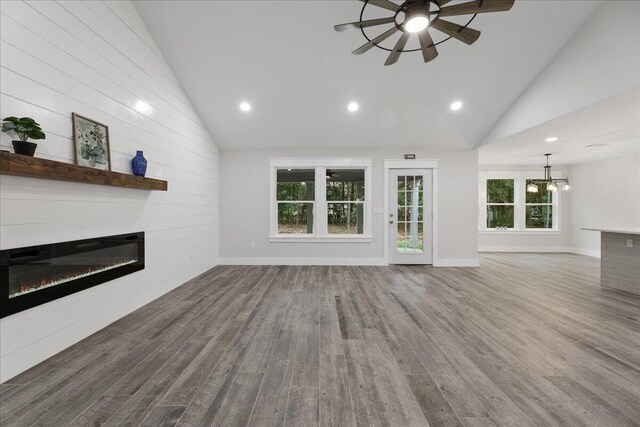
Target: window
[(345, 201), (538, 207), (500, 203), (320, 199), (295, 193), (506, 206)]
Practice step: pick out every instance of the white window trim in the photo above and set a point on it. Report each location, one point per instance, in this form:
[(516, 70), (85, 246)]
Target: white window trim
[(519, 178), (320, 226)]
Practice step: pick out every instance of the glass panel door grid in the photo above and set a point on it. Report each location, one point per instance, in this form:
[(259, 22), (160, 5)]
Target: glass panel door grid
[(410, 215)]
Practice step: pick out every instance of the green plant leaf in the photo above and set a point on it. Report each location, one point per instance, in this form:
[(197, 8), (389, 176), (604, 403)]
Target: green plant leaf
[(8, 126), (12, 119), (37, 134)]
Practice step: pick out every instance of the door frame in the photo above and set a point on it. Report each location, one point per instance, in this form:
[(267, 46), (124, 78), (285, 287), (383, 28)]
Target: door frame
[(412, 164)]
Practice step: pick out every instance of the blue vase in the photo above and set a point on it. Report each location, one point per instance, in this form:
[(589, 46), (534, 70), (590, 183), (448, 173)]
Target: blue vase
[(139, 164)]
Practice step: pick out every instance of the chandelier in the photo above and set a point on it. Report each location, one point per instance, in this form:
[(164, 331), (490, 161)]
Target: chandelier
[(551, 183)]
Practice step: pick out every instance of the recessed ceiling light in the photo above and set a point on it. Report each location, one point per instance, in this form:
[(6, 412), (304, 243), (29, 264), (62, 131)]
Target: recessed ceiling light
[(456, 105), (142, 107), (245, 106), (551, 139), (353, 107)]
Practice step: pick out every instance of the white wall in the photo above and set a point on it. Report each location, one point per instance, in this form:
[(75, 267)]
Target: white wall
[(605, 193), (244, 215), (97, 59), (601, 60), (491, 241)]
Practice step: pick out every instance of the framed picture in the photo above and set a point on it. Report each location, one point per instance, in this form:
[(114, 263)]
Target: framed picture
[(92, 143)]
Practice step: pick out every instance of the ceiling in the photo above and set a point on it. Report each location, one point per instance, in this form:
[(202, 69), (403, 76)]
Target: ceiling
[(608, 128), (298, 74)]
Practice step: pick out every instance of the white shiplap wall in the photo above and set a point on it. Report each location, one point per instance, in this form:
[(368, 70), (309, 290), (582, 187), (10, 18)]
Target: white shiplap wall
[(97, 59)]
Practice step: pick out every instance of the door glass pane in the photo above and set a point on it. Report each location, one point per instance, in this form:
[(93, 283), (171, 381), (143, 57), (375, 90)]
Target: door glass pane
[(402, 230), (410, 236), (401, 183), (401, 213)]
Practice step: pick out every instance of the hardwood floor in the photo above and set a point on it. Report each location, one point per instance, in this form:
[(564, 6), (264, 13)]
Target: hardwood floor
[(524, 340)]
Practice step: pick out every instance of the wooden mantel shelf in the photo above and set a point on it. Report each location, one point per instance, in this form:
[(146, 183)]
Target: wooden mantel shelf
[(33, 167)]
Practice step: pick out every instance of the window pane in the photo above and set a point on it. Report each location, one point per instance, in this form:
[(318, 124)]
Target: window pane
[(542, 196), (345, 185), (500, 216), (295, 184), (345, 218), (295, 218), (539, 216), (500, 191)]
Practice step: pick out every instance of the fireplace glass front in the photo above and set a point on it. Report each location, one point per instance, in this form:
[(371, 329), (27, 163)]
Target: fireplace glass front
[(34, 275)]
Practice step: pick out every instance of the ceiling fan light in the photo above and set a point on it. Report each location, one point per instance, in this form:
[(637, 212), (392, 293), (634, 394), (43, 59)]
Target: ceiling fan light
[(416, 23), (532, 188)]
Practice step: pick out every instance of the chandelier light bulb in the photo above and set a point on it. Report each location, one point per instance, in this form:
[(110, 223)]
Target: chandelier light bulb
[(416, 24), (532, 188), (552, 186), (566, 187)]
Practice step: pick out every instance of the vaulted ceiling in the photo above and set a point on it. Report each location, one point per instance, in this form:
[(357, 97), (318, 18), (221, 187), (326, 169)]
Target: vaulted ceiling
[(298, 74)]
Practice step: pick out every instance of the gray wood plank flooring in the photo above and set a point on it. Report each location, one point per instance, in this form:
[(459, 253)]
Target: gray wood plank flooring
[(524, 340)]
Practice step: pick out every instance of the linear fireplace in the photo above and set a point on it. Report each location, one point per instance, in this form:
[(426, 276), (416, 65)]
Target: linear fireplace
[(38, 274)]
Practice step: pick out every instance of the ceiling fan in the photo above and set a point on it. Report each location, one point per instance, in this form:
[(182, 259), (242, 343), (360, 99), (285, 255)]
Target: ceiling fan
[(419, 17)]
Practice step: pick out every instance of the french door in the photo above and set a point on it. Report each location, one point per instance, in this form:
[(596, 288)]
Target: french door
[(410, 219)]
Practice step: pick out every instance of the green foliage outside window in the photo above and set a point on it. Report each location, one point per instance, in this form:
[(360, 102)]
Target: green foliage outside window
[(539, 208), (500, 203)]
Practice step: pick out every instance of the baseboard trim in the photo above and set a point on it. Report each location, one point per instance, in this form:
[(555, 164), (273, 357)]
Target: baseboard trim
[(541, 249), (586, 252), (456, 262), (302, 261), (524, 249)]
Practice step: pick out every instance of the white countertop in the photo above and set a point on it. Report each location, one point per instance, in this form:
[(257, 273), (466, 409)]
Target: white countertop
[(621, 230)]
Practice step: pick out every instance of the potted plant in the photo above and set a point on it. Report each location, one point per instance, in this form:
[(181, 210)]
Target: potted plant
[(26, 128)]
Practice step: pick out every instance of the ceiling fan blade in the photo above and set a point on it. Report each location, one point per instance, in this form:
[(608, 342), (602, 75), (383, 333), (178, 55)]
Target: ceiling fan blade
[(363, 24), (365, 47), (385, 4), (464, 34), (395, 54), (478, 6), (429, 51)]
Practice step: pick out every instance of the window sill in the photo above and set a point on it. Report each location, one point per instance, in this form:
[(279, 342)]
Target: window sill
[(520, 232), (320, 239)]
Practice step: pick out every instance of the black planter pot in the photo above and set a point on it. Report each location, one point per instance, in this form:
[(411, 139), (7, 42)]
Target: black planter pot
[(24, 147)]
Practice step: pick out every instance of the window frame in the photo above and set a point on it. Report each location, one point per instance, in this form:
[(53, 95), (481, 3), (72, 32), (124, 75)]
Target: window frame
[(519, 178), (320, 203), (487, 204)]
